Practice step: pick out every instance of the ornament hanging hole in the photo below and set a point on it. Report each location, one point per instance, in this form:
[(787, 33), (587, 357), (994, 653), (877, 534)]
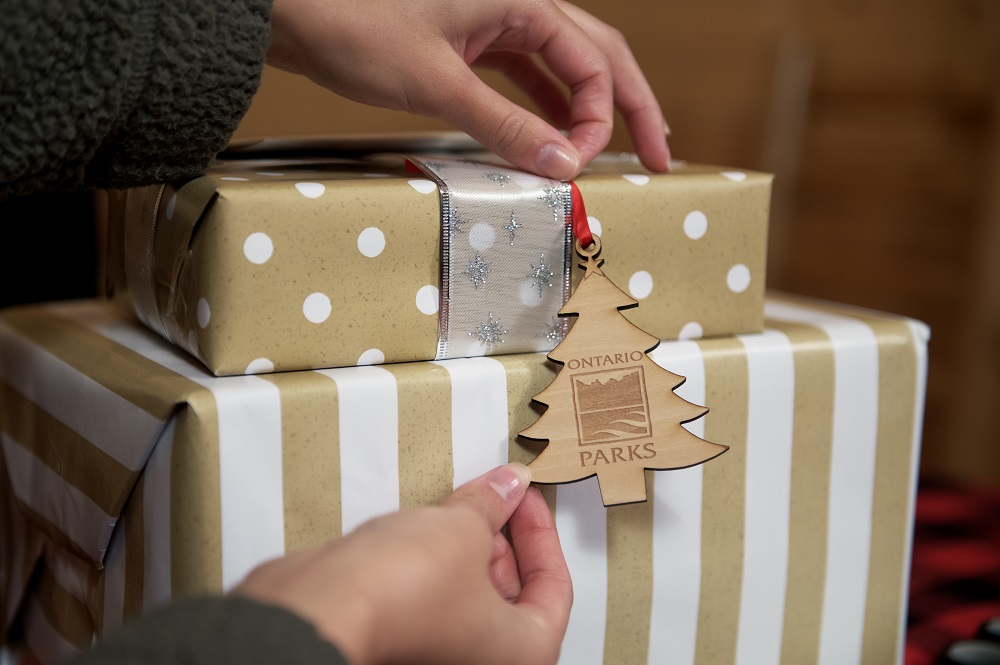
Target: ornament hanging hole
[(591, 251)]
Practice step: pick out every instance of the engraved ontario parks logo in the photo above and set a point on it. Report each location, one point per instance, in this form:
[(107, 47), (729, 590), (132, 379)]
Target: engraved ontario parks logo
[(611, 405), (611, 410)]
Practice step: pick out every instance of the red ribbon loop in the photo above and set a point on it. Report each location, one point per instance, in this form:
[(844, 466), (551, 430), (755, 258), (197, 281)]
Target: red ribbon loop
[(581, 227)]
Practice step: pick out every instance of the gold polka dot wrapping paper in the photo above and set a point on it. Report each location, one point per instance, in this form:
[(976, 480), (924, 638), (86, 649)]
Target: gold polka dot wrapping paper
[(302, 263)]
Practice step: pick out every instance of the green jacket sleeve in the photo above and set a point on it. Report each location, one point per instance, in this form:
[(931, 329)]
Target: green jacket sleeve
[(116, 93), (214, 631)]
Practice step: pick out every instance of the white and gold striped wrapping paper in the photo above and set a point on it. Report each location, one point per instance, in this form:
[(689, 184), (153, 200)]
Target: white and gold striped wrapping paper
[(133, 476)]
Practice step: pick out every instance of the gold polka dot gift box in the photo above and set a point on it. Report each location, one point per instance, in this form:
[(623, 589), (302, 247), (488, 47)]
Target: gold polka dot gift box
[(298, 261), (130, 475)]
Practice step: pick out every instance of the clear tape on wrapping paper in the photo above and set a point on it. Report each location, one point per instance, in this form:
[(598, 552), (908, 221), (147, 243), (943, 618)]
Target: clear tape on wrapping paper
[(147, 275), (506, 246)]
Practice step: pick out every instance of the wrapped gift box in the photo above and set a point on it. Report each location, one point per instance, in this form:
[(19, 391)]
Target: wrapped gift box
[(133, 476), (272, 265)]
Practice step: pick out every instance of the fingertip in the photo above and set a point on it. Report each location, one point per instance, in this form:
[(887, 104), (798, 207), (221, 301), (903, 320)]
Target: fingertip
[(510, 481), (557, 162), (655, 155)]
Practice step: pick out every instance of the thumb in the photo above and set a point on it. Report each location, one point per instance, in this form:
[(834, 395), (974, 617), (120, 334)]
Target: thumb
[(494, 495), (503, 127)]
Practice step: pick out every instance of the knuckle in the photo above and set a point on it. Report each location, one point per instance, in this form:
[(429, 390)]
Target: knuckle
[(510, 132), (617, 38)]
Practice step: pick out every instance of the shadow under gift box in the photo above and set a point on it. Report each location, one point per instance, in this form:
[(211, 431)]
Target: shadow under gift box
[(309, 262), (133, 476)]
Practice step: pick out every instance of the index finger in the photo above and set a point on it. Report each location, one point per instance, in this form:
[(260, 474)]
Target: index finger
[(545, 582), (573, 57), (575, 60), (633, 95)]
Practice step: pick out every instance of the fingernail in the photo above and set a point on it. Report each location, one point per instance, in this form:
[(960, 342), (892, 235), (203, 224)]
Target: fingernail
[(555, 162), (510, 481)]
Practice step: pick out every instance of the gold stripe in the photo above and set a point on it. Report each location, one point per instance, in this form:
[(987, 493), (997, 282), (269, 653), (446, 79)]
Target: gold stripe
[(891, 499), (196, 562), (310, 458), (144, 383), (426, 467), (65, 613), (8, 539), (134, 523), (630, 580), (81, 464), (196, 499), (527, 375), (812, 447), (724, 488), (50, 530)]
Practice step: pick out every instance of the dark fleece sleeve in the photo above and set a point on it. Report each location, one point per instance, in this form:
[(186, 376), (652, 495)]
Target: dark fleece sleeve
[(116, 93), (214, 631)]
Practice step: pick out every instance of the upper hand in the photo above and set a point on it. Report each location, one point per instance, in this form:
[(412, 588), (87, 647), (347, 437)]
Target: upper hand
[(436, 585), (417, 57)]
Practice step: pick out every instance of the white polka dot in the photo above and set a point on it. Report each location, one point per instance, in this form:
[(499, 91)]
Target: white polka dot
[(317, 307), (258, 248), (677, 164), (371, 357), (482, 236), (637, 178), (371, 242), (259, 366), (427, 299), (270, 173), (529, 294), (527, 181), (738, 278), (695, 224), (234, 178), (640, 284), (595, 226), (171, 204), (735, 176), (204, 313), (423, 186), (691, 330), (310, 190)]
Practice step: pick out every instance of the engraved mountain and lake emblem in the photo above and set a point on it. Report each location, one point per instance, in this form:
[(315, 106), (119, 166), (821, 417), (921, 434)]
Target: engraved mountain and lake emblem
[(611, 405), (611, 410)]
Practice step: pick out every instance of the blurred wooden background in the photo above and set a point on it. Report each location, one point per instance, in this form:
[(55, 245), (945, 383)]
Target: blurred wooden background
[(881, 119)]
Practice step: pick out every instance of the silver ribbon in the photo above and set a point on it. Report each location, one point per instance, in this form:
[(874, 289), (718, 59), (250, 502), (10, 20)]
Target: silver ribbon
[(506, 245)]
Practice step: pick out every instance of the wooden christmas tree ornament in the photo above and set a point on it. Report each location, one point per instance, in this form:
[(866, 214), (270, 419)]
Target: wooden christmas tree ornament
[(612, 411)]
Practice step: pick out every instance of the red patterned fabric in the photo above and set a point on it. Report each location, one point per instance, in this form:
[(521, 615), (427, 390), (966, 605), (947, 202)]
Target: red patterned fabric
[(955, 583)]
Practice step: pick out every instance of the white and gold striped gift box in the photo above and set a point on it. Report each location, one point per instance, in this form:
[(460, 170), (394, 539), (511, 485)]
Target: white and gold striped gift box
[(132, 476)]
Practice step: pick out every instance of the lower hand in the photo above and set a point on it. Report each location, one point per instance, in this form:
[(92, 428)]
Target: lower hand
[(436, 585)]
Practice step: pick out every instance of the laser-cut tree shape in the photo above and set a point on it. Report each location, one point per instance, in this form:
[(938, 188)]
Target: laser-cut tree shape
[(612, 411)]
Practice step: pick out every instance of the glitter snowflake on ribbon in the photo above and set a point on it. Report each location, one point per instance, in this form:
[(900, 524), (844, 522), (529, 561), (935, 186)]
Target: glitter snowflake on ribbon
[(499, 177), (455, 223), (540, 275), (554, 332), (435, 166), (490, 333), (512, 227), (554, 199), (478, 271)]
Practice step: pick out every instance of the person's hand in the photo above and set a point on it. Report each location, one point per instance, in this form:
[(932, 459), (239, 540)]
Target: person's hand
[(436, 585), (416, 57)]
